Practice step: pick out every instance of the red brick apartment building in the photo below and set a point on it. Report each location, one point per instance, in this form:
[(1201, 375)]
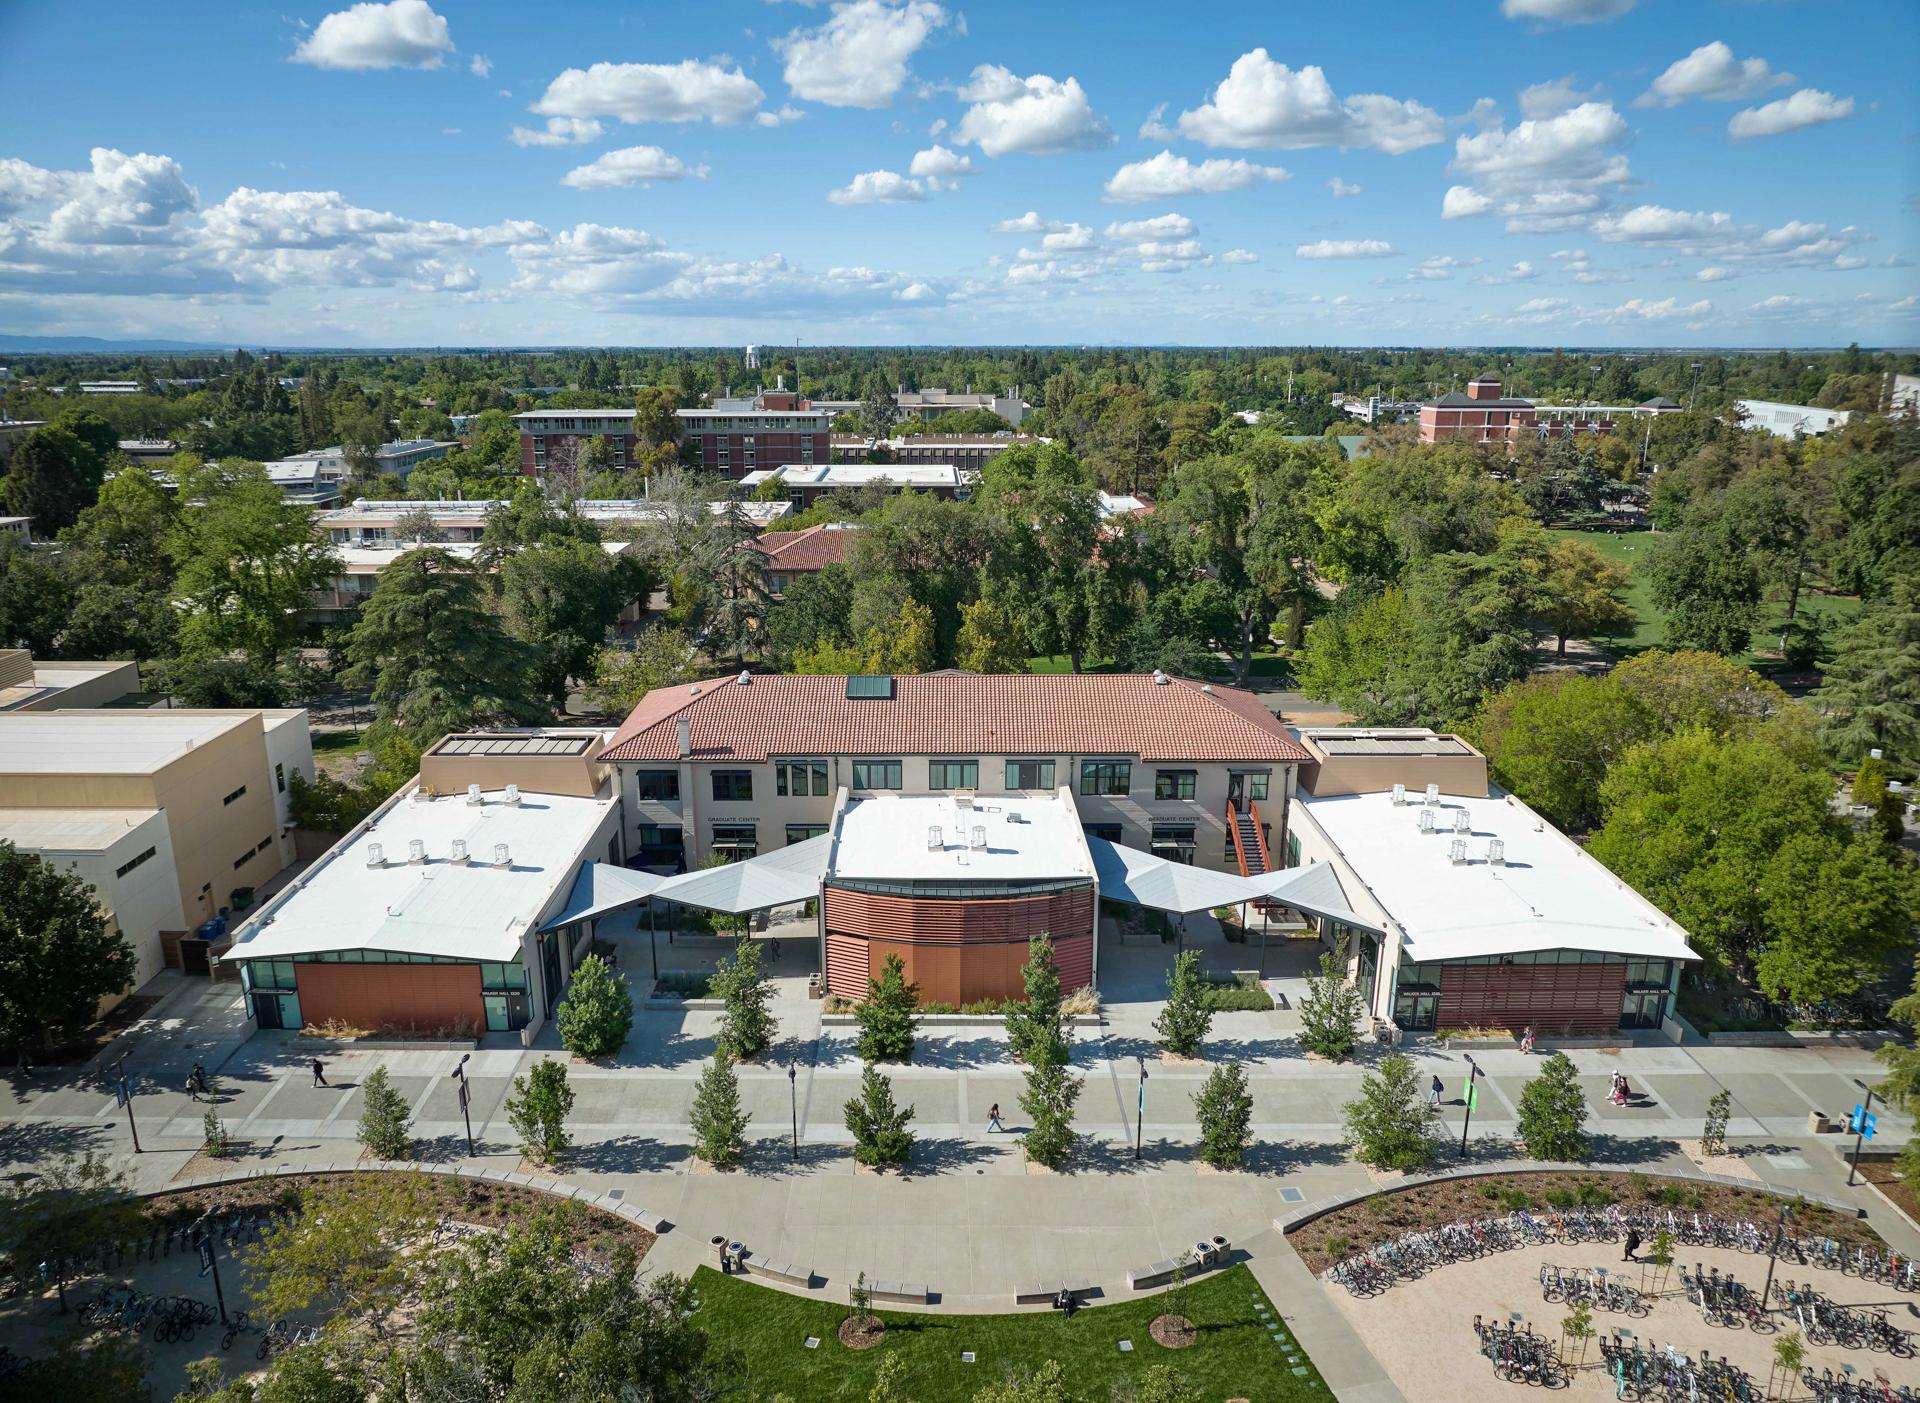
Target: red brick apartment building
[(772, 429), (1484, 415)]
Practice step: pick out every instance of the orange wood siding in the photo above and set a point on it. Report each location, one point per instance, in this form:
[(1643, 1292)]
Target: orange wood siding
[(1553, 998), (960, 950), (935, 921), (396, 996)]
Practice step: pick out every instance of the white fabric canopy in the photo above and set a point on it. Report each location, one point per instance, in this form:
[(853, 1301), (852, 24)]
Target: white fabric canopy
[(777, 878), (601, 888)]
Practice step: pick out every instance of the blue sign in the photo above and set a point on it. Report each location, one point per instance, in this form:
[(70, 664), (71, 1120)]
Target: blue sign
[(206, 1255), (1866, 1125)]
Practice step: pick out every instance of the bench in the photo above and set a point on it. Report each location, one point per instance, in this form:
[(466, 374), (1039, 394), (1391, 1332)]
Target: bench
[(779, 1271), (904, 1292), (1045, 1293), (1201, 1257)]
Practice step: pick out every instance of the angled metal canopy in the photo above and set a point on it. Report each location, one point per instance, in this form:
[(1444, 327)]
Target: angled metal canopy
[(600, 889), (1141, 879), (1314, 889), (777, 878)]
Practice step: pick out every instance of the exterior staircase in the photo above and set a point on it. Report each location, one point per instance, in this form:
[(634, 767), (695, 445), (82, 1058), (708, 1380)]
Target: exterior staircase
[(1249, 839)]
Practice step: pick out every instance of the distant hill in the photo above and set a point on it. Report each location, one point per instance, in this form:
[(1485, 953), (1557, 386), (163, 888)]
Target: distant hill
[(83, 345)]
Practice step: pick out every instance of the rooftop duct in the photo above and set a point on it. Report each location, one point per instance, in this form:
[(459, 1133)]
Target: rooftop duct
[(513, 796), (501, 856), (459, 853), (1399, 795), (1457, 852), (376, 854), (416, 852), (473, 795)]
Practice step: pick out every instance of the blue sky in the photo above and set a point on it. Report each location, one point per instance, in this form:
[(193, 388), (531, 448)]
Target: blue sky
[(1596, 172)]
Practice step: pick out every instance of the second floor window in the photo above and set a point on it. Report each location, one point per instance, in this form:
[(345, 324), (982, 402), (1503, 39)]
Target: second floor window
[(800, 778), (1106, 776), (953, 774), (733, 784), (660, 785), (876, 774), (1174, 784), (1029, 774)]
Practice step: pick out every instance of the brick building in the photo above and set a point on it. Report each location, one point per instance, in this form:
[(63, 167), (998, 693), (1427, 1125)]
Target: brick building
[(738, 435)]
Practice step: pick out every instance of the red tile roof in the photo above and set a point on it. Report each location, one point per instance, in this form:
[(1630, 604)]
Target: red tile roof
[(935, 713), (810, 549)]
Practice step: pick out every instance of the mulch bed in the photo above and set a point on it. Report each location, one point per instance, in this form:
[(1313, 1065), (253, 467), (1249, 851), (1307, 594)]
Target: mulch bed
[(862, 1331), (1363, 1225), (81, 1045), (1886, 1178), (1172, 1331)]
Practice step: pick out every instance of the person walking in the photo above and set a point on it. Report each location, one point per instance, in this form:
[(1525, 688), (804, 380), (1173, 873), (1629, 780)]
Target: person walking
[(319, 1073), (199, 1078), (193, 1087), (1633, 1245), (1433, 1094), (993, 1119), (1526, 1039)]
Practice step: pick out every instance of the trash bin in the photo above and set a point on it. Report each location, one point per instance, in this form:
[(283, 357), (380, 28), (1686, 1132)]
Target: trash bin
[(737, 1256), (1222, 1249), (719, 1246)]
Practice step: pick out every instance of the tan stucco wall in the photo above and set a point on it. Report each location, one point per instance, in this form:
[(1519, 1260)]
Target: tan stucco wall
[(1375, 774)]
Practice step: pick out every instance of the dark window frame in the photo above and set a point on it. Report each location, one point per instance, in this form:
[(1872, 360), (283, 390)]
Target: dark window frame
[(1045, 767), (733, 786), (1106, 778), (659, 780), (939, 773), (1176, 784)]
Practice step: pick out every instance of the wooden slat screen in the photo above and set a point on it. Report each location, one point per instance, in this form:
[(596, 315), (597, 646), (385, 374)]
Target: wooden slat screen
[(1583, 998), (959, 921)]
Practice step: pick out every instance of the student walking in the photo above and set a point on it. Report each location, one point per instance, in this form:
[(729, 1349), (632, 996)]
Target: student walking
[(1526, 1039), (199, 1079), (193, 1087), (1633, 1245), (319, 1073), (1433, 1095), (993, 1119)]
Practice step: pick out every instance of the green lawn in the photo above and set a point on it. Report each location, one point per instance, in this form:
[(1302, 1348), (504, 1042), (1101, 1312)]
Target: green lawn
[(1235, 1357), (332, 742), (1060, 663)]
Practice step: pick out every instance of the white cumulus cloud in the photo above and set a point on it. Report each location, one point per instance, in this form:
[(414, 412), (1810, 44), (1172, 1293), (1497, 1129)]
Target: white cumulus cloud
[(559, 131), (859, 57), (1161, 226), (1341, 189), (1807, 108), (1264, 104), (1345, 248), (632, 165), (1036, 115), (878, 187), (1566, 11), (941, 166), (1551, 98), (1239, 255), (1545, 173), (688, 91), (399, 34), (1711, 74), (1168, 176)]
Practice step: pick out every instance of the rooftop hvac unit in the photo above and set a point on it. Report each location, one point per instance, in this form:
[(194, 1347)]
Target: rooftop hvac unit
[(1433, 794), (501, 857), (745, 677), (1426, 821), (1462, 821), (473, 795), (1457, 852), (979, 837), (1399, 795), (376, 854), (459, 853), (416, 852), (1013, 816), (1497, 852), (935, 839), (513, 794)]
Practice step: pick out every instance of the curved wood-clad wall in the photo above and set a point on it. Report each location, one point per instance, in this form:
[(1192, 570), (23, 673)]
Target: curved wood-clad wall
[(958, 950), (959, 921)]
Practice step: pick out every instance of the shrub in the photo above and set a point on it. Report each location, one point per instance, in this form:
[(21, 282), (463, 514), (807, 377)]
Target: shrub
[(1330, 1013), (1387, 1122), (719, 1125), (215, 1139), (384, 1120), (1553, 1112), (746, 1025), (878, 1126), (597, 1013), (887, 1015), (1224, 1108), (1183, 1023), (538, 1110), (1034, 1028), (1713, 1138), (1048, 1101)]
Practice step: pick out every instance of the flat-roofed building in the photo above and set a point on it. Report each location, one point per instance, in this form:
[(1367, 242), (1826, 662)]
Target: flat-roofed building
[(565, 433), (737, 435), (1788, 420), (807, 483), (26, 685), (446, 909), (19, 527), (148, 450), (969, 452), (362, 564), (1473, 910)]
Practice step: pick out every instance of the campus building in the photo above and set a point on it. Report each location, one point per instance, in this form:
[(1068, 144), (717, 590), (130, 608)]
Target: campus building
[(26, 685), (1193, 772), (807, 483), (793, 555), (775, 427), (1484, 415), (439, 911), (1470, 909)]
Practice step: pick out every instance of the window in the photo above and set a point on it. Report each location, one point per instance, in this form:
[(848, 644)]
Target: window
[(876, 774), (1174, 841), (132, 863), (1109, 831), (1174, 784), (869, 687), (736, 841), (243, 859), (270, 974), (263, 844), (1029, 774), (660, 842), (800, 778), (280, 778), (800, 832), (235, 795), (733, 784), (503, 976), (662, 786), (1256, 787), (953, 774), (1293, 849), (1106, 776)]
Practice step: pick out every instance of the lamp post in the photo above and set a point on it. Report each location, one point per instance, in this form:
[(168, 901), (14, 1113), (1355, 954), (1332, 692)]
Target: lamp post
[(1473, 1071), (1773, 1257), (124, 1090), (1140, 1115), (793, 1095), (459, 1074), (1859, 1129)]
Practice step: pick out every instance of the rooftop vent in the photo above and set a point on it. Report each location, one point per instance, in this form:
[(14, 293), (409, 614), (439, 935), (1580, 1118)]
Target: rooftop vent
[(1433, 794), (1207, 687), (745, 677), (416, 852), (1399, 795), (1457, 852), (1159, 678), (1013, 816), (1426, 821), (473, 795), (459, 854), (1497, 851), (376, 854), (501, 856), (979, 838), (1462, 821), (935, 838), (513, 795)]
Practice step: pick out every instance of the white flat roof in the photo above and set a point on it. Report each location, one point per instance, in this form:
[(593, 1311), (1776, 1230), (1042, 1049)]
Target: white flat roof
[(1549, 895), (473, 912), (105, 742), (372, 557), (1029, 837), (70, 830)]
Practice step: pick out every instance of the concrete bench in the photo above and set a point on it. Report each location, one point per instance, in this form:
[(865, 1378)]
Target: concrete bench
[(1046, 1292), (779, 1271), (905, 1292)]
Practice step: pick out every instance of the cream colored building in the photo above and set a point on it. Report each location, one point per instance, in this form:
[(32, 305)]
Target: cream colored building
[(26, 685)]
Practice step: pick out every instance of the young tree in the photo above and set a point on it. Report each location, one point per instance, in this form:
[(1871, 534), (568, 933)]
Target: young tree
[(719, 1125), (746, 1024), (1224, 1108), (1553, 1112), (1582, 594), (215, 1142), (538, 1110), (1713, 1138), (1048, 1101), (1161, 1384), (1330, 1013), (878, 1126), (597, 1013), (58, 959), (1387, 1123), (385, 1126), (879, 410), (1035, 1028), (1183, 1022), (1046, 1383), (887, 1014)]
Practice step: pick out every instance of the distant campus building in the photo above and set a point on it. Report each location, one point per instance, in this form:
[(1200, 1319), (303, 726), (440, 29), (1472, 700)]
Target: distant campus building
[(1484, 415)]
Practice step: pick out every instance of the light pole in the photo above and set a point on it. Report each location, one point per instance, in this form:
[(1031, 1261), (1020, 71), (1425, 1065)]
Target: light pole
[(210, 1262), (1773, 1257), (1140, 1115), (1859, 1129), (793, 1095), (124, 1090), (1696, 387), (1473, 1071), (459, 1074)]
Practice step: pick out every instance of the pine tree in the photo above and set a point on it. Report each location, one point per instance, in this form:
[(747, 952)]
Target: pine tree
[(1386, 1123), (1049, 1101), (1034, 1029), (384, 1127), (746, 1024), (719, 1125), (538, 1110), (887, 1015), (1183, 1023), (1330, 1013), (1224, 1108), (878, 1126), (597, 1013), (1553, 1112)]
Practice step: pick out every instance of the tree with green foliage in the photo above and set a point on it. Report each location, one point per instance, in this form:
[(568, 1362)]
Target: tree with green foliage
[(620, 675), (992, 640), (886, 1015), (878, 1126), (922, 548), (746, 1021), (718, 1123), (36, 597), (215, 1142), (538, 1110), (1550, 738), (436, 659), (1185, 1018), (1705, 579), (879, 411), (1224, 1108), (115, 560), (1036, 1028), (1582, 594), (1713, 1136), (68, 1205), (1692, 688), (1387, 1123), (815, 608), (1045, 1383), (1049, 1099), (52, 477), (1330, 1012), (1045, 517), (1886, 806), (385, 1126), (596, 1014), (1553, 1112), (58, 956), (1869, 694)]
